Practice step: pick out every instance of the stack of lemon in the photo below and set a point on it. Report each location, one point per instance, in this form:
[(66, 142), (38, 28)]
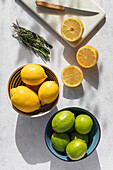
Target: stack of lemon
[(38, 91)]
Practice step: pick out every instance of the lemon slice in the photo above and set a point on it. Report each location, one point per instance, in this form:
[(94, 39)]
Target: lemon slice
[(87, 56), (72, 29), (72, 76)]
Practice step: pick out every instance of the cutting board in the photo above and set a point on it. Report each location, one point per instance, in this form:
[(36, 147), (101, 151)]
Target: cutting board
[(54, 18)]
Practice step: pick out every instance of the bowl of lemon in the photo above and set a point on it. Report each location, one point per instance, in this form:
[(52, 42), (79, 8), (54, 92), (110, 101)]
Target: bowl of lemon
[(33, 90), (72, 134)]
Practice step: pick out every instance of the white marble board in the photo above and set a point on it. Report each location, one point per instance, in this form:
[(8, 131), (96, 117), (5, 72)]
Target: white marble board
[(54, 18)]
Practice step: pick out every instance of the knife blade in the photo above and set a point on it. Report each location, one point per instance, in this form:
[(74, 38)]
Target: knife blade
[(65, 9)]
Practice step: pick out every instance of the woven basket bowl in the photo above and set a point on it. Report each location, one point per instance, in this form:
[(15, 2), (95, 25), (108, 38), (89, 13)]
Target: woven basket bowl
[(15, 80)]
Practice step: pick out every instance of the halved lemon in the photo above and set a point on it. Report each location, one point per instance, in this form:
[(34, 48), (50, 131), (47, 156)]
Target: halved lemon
[(72, 76), (87, 56), (72, 29)]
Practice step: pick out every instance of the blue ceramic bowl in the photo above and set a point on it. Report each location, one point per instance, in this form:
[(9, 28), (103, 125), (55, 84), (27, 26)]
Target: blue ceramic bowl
[(94, 134)]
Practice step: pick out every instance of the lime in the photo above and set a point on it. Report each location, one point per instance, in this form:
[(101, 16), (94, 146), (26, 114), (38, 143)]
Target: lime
[(76, 149), (83, 124), (63, 121), (60, 141), (76, 135)]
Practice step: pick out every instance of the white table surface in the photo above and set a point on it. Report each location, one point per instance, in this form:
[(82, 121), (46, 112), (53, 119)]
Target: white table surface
[(22, 145)]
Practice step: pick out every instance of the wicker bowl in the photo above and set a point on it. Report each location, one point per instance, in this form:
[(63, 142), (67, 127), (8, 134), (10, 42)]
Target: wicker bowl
[(15, 80)]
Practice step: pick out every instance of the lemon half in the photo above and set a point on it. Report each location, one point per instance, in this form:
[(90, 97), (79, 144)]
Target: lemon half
[(72, 29)]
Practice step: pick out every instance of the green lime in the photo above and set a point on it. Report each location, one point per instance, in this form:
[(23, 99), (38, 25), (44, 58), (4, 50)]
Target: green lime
[(83, 124), (76, 135), (60, 141), (63, 121), (76, 149)]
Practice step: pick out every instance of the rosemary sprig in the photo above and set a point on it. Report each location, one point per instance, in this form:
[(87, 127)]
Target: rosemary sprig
[(32, 40)]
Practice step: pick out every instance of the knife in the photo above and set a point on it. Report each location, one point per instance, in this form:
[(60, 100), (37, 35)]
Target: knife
[(65, 9)]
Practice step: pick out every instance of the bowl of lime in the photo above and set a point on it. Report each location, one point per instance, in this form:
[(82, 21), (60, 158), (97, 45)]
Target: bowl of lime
[(33, 90), (72, 134)]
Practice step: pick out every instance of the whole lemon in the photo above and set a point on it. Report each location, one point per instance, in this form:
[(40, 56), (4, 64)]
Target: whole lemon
[(33, 74), (48, 92), (25, 99)]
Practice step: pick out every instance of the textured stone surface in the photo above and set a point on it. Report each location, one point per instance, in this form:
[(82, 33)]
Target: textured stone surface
[(22, 145)]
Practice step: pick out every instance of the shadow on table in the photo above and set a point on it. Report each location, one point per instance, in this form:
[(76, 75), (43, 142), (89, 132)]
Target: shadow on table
[(24, 54), (92, 76), (73, 93), (90, 163), (31, 144), (30, 138)]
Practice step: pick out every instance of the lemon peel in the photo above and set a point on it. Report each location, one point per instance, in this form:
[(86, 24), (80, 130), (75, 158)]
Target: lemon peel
[(33, 74), (48, 92), (24, 99)]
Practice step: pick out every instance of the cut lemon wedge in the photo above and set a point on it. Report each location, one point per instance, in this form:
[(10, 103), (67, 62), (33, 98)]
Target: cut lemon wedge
[(87, 56), (72, 29), (72, 76)]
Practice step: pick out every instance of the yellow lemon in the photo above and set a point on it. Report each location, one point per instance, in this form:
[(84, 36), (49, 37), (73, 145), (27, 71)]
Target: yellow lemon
[(87, 56), (72, 29), (33, 74), (48, 92), (72, 75), (25, 99)]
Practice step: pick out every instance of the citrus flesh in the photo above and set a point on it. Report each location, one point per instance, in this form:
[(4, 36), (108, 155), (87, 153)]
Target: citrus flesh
[(33, 74), (63, 121), (83, 124), (72, 76), (72, 29), (48, 92), (25, 99), (60, 141), (76, 135), (87, 56), (76, 149)]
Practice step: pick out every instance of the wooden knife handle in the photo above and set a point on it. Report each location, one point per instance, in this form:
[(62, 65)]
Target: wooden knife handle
[(50, 5)]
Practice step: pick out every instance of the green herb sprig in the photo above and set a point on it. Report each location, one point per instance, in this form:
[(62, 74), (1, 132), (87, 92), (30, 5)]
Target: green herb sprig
[(32, 40)]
